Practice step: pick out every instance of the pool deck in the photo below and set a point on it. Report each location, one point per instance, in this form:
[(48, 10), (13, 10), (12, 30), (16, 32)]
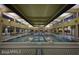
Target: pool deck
[(39, 45)]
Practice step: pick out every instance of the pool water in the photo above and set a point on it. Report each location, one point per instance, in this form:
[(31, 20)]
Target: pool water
[(41, 37)]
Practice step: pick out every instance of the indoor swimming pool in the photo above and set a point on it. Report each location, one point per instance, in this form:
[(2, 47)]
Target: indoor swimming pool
[(42, 37)]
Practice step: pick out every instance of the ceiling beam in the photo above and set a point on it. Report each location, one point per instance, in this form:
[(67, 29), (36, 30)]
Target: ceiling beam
[(39, 21), (30, 17)]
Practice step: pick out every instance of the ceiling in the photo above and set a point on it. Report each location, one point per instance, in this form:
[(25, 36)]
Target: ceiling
[(39, 14)]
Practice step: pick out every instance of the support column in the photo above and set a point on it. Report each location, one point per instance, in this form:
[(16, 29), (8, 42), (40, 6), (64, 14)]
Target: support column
[(14, 31), (57, 30), (6, 31), (1, 28), (63, 31), (76, 31), (20, 30), (73, 30), (77, 15), (24, 31)]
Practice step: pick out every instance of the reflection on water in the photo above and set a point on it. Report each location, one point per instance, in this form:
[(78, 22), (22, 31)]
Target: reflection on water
[(42, 37)]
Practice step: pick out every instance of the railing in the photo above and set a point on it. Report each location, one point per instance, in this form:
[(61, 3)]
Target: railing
[(27, 48)]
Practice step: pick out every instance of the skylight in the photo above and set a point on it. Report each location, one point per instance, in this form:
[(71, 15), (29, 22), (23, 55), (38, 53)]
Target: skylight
[(13, 14), (8, 15), (65, 14), (22, 21), (57, 20)]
